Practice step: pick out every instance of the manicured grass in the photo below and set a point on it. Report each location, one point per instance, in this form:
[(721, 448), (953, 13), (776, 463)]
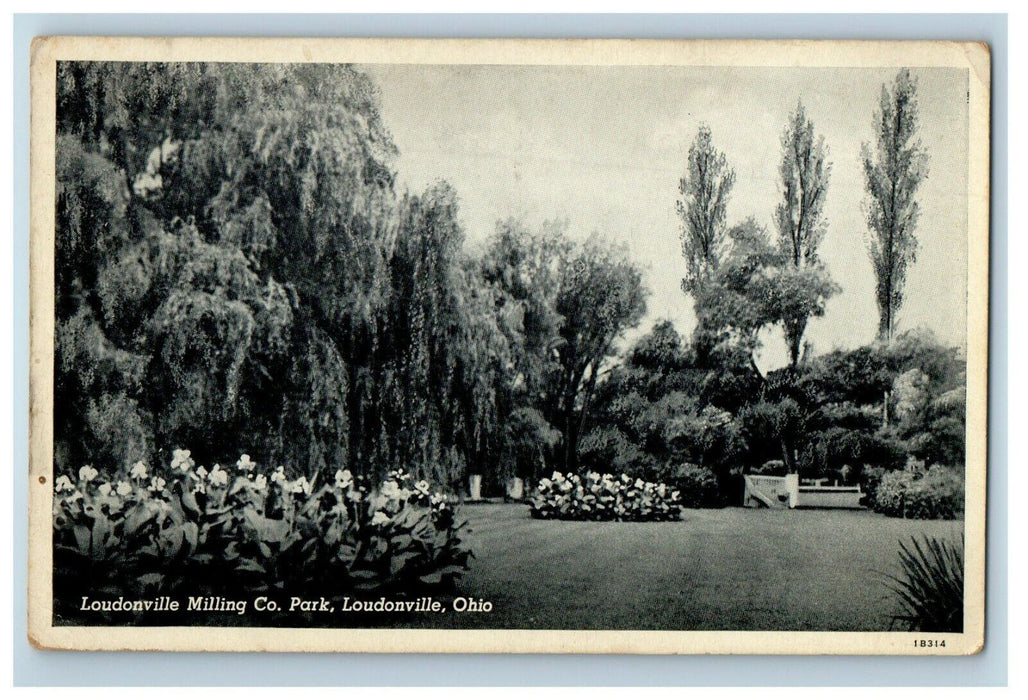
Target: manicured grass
[(730, 569)]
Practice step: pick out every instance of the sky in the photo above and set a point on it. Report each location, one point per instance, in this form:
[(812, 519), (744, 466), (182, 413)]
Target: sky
[(604, 147)]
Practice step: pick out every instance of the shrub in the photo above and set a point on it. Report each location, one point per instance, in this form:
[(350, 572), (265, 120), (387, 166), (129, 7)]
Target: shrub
[(931, 588), (772, 467), (596, 497), (698, 486), (935, 494), (827, 451), (237, 530), (612, 447)]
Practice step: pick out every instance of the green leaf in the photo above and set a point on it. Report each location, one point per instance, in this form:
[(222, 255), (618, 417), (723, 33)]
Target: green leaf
[(189, 504), (101, 531), (151, 579), (82, 538), (400, 561), (137, 517), (250, 565), (267, 529), (190, 533), (241, 483)]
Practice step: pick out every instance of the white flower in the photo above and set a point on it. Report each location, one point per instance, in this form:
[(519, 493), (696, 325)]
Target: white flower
[(379, 518), (138, 470), (105, 489), (422, 487), (124, 488), (344, 479), (200, 474), (157, 484), (261, 482), (279, 476), (64, 484), (390, 489), (218, 476), (181, 460), (303, 486), (245, 464), (87, 473)]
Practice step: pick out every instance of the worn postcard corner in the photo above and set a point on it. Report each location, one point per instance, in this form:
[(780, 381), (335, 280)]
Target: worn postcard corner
[(505, 346)]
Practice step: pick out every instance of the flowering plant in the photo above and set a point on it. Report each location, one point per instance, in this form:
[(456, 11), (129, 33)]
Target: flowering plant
[(241, 529), (604, 497)]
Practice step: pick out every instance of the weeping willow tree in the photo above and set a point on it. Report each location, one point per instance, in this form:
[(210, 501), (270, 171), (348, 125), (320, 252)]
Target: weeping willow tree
[(443, 344), (235, 272)]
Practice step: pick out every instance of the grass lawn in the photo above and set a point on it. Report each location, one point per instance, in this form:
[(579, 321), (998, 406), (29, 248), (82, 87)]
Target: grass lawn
[(730, 569)]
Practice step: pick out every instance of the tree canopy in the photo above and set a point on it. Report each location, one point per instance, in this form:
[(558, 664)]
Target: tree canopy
[(237, 272)]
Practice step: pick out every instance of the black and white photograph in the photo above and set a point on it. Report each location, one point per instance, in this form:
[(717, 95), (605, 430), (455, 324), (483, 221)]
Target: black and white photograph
[(509, 346)]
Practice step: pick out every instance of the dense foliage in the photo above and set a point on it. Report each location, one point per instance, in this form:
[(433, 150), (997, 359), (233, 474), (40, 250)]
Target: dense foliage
[(235, 271), (604, 497), (663, 410), (937, 493), (242, 529), (703, 409)]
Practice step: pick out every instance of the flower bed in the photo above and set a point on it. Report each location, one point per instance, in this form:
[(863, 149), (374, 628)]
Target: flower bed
[(604, 497), (234, 530)]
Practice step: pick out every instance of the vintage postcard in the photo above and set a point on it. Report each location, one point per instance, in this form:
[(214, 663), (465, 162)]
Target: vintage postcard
[(668, 347)]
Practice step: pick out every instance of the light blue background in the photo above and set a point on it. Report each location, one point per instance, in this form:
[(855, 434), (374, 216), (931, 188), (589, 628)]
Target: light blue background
[(32, 667)]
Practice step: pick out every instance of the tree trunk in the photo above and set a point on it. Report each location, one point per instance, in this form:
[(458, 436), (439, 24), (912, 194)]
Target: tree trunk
[(787, 457)]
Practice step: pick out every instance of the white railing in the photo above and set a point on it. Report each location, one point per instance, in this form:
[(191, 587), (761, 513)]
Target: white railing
[(771, 491)]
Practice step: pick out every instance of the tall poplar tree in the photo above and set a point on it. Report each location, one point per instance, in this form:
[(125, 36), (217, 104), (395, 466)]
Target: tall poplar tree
[(893, 172), (704, 188), (800, 215)]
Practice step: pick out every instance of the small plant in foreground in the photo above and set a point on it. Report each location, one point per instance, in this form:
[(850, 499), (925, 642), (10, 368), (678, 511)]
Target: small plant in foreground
[(931, 588)]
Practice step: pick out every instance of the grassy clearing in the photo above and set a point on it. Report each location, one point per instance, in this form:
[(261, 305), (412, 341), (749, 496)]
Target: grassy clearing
[(724, 569)]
